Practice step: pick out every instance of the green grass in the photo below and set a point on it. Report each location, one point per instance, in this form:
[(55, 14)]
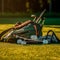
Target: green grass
[(48, 21)]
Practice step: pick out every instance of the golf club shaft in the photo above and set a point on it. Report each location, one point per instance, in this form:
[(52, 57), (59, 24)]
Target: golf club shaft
[(40, 16)]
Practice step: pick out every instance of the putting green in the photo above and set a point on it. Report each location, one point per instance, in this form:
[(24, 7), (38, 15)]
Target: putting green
[(48, 21)]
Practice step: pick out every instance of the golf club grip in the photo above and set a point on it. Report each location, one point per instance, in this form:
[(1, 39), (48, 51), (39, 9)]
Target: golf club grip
[(40, 15)]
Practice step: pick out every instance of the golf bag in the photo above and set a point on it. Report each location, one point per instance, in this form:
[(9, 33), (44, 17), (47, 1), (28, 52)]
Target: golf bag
[(26, 29)]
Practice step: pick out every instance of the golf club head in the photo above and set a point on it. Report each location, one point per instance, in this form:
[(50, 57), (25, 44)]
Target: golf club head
[(33, 15)]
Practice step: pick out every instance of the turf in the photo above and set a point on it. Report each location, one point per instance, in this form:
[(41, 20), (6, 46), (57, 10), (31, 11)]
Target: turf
[(48, 21), (29, 52)]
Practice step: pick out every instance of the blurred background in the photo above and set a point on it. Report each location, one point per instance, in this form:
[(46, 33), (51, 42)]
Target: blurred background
[(24, 8), (17, 6)]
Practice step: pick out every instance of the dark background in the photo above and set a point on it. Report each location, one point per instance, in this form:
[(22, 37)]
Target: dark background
[(12, 11), (29, 5)]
